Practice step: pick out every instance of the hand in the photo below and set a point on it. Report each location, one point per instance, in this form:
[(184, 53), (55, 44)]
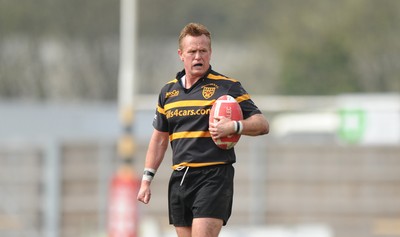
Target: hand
[(223, 127), (144, 194)]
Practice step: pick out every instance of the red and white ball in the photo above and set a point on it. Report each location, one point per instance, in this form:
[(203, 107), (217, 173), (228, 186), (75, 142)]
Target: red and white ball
[(228, 107)]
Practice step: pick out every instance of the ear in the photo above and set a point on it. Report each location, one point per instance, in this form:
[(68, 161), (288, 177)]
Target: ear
[(180, 54)]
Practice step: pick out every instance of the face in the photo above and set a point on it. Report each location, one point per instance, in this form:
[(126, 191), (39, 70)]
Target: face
[(195, 54)]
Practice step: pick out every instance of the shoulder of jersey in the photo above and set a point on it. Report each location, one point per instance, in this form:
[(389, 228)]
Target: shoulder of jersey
[(172, 81), (217, 76)]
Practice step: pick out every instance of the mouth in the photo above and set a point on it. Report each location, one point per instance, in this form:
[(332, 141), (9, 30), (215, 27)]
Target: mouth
[(198, 65)]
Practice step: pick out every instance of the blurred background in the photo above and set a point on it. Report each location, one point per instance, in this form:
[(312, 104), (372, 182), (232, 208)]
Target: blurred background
[(325, 74)]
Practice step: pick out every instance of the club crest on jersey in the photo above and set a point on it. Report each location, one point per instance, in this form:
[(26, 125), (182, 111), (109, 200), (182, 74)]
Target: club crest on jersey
[(209, 90)]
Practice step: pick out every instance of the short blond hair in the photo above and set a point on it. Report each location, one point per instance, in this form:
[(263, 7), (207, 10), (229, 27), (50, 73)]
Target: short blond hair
[(194, 29)]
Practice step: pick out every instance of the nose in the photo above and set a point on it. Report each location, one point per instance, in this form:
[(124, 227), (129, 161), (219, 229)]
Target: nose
[(197, 55)]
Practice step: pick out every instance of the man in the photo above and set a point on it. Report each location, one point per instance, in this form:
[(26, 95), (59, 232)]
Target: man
[(201, 186)]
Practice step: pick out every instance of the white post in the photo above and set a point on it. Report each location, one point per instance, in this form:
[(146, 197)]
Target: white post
[(126, 81), (127, 60), (52, 187)]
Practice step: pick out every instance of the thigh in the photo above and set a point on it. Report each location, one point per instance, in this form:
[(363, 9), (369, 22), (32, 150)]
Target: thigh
[(183, 231), (206, 227), (215, 194)]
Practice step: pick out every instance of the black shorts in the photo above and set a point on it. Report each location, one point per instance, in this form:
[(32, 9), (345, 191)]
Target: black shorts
[(205, 192)]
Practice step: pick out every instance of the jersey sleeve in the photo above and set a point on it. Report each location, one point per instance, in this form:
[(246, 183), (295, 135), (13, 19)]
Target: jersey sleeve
[(247, 105), (160, 121)]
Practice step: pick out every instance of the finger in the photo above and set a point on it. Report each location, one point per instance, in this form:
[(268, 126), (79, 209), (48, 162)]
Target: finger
[(217, 118), (146, 199), (141, 197)]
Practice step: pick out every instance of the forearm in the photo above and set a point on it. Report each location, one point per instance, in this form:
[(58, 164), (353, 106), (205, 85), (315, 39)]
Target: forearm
[(157, 146), (155, 154), (255, 125)]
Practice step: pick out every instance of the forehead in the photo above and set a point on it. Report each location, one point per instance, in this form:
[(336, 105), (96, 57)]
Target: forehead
[(196, 41)]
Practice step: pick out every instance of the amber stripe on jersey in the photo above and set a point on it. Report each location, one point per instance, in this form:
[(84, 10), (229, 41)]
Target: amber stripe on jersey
[(188, 103), (187, 164), (173, 81), (219, 77), (160, 110), (189, 134), (243, 98)]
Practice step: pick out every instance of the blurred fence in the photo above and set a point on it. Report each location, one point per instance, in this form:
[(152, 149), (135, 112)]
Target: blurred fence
[(57, 187), (352, 190), (20, 190), (54, 189)]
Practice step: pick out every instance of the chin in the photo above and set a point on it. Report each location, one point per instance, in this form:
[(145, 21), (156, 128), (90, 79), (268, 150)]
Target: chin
[(199, 72)]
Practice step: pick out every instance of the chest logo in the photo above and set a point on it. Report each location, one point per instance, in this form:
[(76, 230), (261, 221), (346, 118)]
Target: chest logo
[(209, 90)]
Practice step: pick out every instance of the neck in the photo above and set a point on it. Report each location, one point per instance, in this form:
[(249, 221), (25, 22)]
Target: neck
[(190, 81)]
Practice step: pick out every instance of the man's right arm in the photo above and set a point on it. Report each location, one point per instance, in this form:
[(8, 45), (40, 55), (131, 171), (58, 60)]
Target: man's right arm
[(155, 154)]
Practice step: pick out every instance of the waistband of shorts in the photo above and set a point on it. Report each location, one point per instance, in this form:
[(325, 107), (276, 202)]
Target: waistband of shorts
[(183, 165)]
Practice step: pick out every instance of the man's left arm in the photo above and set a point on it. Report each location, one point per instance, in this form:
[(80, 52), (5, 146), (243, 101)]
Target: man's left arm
[(255, 125)]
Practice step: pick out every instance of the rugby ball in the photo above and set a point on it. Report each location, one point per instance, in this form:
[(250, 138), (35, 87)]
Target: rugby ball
[(228, 107)]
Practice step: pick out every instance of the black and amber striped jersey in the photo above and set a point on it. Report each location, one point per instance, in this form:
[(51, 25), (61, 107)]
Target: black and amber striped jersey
[(184, 114)]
